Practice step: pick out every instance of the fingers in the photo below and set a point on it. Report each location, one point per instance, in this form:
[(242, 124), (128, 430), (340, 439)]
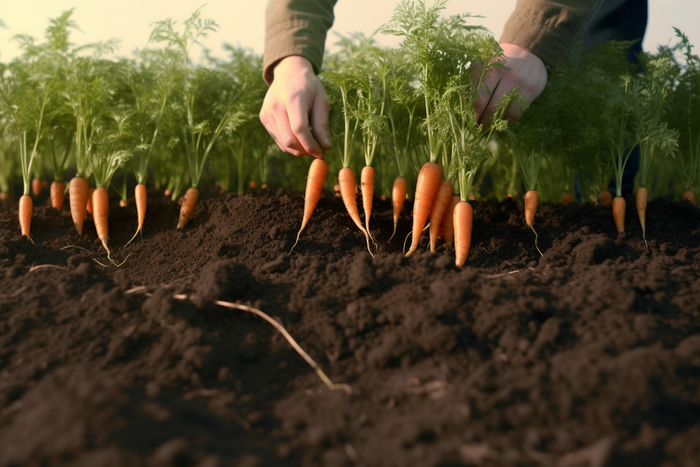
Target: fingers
[(297, 116), (319, 120), (488, 100)]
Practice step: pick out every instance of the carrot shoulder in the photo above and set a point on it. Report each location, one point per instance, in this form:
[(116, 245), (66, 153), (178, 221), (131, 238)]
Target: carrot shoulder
[(189, 201), (318, 171), (58, 194), (426, 187)]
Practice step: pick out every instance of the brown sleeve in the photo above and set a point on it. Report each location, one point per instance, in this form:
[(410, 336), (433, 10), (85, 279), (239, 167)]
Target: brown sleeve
[(296, 27), (548, 28)]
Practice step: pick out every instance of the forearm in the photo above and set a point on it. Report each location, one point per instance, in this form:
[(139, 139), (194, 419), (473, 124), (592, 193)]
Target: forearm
[(296, 27), (548, 28)]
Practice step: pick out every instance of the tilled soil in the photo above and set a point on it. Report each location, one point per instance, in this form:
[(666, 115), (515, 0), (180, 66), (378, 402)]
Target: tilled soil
[(586, 356)]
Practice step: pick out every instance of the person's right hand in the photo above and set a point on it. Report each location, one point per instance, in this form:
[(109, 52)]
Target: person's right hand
[(295, 99)]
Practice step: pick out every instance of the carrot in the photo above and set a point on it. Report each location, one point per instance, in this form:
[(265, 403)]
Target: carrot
[(426, 187), (346, 180), (123, 203), (567, 198), (88, 206), (58, 194), (100, 205), (689, 195), (188, 203), (463, 218), (5, 199), (252, 184), (367, 188), (619, 207), (531, 199), (605, 198), (38, 186), (26, 207), (642, 197), (78, 192), (168, 192), (318, 171), (141, 201), (398, 196), (448, 228), (437, 212)]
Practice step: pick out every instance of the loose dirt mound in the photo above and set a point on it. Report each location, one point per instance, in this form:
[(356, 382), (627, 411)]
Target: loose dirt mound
[(589, 355)]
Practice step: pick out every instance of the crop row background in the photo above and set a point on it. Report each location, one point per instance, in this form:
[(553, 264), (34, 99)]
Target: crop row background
[(242, 21)]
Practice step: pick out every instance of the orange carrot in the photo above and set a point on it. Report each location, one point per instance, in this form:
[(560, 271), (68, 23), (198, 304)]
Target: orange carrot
[(619, 206), (531, 199), (448, 227), (88, 206), (252, 184), (567, 198), (78, 193), (100, 213), (123, 203), (26, 207), (605, 198), (463, 219), (38, 186), (367, 188), (437, 212), (58, 194), (398, 196), (168, 192), (689, 195), (5, 199), (141, 201), (318, 171), (263, 186), (426, 187), (642, 197), (346, 180), (188, 203)]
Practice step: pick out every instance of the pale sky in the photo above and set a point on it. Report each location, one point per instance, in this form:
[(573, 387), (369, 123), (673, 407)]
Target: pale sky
[(242, 21)]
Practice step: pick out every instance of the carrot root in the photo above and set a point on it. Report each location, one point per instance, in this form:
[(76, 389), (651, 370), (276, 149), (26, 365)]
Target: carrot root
[(346, 179), (567, 198), (437, 212), (619, 206), (100, 213), (690, 196), (427, 186), (367, 189), (398, 197), (642, 198), (141, 200), (318, 171), (38, 186), (605, 198), (26, 208), (463, 219), (189, 201), (448, 226), (531, 200), (78, 193), (58, 194)]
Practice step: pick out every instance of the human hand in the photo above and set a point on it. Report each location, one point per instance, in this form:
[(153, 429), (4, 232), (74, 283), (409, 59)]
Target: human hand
[(295, 96), (522, 68)]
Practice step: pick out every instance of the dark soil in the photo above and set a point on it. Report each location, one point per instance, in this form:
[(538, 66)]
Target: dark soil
[(587, 356)]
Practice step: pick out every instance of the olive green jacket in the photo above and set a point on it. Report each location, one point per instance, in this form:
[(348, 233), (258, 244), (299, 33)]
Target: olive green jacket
[(547, 28)]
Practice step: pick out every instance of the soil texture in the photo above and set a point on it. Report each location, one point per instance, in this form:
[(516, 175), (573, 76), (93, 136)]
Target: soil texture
[(586, 356)]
